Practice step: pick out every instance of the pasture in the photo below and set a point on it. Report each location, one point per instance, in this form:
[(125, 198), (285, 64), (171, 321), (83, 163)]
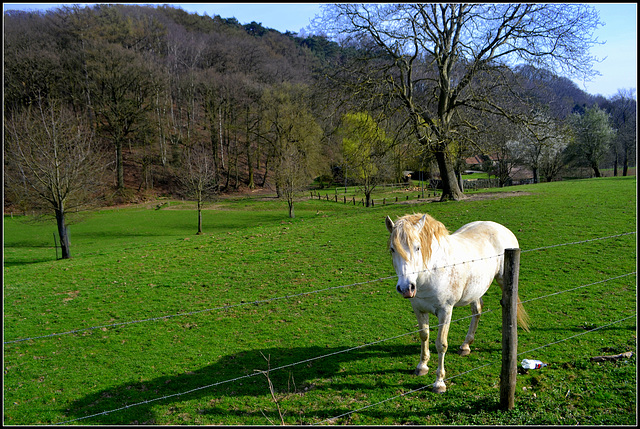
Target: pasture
[(344, 354)]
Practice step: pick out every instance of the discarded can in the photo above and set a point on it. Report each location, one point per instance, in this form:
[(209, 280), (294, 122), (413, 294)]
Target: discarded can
[(532, 364)]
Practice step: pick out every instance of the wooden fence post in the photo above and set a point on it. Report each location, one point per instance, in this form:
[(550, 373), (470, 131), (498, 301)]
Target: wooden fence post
[(509, 304)]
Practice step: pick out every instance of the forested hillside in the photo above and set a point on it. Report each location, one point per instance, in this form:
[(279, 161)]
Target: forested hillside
[(186, 105)]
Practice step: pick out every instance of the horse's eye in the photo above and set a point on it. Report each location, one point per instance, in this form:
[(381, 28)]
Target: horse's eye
[(418, 249)]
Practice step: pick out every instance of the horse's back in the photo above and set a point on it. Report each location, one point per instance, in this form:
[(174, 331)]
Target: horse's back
[(481, 245), (487, 233)]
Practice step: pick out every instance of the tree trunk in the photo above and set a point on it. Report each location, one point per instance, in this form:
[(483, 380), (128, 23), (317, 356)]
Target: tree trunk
[(266, 170), (214, 145), (291, 211), (119, 164), (249, 153), (460, 181), (63, 233), (596, 170), (450, 188), (199, 214)]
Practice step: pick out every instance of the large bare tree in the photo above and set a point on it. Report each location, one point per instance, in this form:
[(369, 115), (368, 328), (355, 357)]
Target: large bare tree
[(52, 163), (427, 56)]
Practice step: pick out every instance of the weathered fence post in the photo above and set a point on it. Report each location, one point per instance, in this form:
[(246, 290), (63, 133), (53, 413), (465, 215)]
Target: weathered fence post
[(509, 304)]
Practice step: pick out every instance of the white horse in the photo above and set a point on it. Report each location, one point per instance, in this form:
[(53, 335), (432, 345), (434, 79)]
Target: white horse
[(439, 271)]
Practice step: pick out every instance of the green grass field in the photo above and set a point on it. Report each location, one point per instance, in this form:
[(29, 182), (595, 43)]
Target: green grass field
[(330, 353)]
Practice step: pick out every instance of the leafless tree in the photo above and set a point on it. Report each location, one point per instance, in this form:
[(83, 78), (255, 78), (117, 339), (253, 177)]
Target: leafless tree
[(540, 143), (623, 117), (426, 56), (52, 163), (197, 175)]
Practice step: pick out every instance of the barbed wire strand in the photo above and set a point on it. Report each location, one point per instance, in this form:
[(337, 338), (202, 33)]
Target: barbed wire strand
[(260, 372), (264, 301), (578, 242), (314, 359), (224, 307), (579, 287), (332, 419)]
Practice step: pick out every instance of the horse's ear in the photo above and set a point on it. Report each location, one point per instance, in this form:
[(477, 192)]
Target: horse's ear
[(421, 223), (389, 224)]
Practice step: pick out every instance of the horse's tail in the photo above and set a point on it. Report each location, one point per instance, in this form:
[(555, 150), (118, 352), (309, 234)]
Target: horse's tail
[(523, 317)]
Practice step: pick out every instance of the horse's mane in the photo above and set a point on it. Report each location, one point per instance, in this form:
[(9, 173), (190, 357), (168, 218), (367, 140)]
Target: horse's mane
[(404, 231)]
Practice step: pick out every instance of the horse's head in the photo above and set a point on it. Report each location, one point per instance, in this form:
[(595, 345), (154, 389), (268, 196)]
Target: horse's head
[(410, 242)]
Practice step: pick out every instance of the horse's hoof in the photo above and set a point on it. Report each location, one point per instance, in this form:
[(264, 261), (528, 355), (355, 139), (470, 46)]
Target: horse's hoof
[(465, 352), (421, 371), (439, 388)]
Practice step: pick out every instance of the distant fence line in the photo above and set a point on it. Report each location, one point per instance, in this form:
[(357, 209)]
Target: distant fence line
[(428, 191)]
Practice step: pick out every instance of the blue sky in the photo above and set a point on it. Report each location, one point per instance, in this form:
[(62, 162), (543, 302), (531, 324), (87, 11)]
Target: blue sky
[(618, 68)]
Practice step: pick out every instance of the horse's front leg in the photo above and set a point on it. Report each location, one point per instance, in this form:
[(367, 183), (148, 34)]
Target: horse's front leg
[(444, 319), (423, 324)]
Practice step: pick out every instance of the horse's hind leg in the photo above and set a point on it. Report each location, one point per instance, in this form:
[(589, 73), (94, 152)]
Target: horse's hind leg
[(476, 309)]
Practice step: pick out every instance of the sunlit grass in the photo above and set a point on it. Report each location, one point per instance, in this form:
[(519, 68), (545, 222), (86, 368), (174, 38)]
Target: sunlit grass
[(138, 263)]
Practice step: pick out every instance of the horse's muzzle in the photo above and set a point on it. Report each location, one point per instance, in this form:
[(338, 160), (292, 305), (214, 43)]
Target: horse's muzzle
[(409, 292)]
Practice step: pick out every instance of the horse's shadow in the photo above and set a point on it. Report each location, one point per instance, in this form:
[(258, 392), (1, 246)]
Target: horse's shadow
[(291, 370)]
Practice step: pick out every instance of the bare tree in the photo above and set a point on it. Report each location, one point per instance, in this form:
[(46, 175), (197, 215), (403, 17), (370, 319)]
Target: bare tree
[(52, 163), (623, 116), (502, 139), (197, 175), (122, 88), (540, 142), (428, 55)]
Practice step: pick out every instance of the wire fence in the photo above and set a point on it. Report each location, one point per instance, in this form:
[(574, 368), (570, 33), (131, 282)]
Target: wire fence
[(333, 419), (363, 346), (268, 300), (340, 351)]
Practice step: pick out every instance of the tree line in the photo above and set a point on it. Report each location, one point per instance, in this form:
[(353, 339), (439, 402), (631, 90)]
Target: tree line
[(108, 101)]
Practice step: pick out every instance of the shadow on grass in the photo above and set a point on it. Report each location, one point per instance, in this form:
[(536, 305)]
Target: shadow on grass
[(233, 387), (20, 263)]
